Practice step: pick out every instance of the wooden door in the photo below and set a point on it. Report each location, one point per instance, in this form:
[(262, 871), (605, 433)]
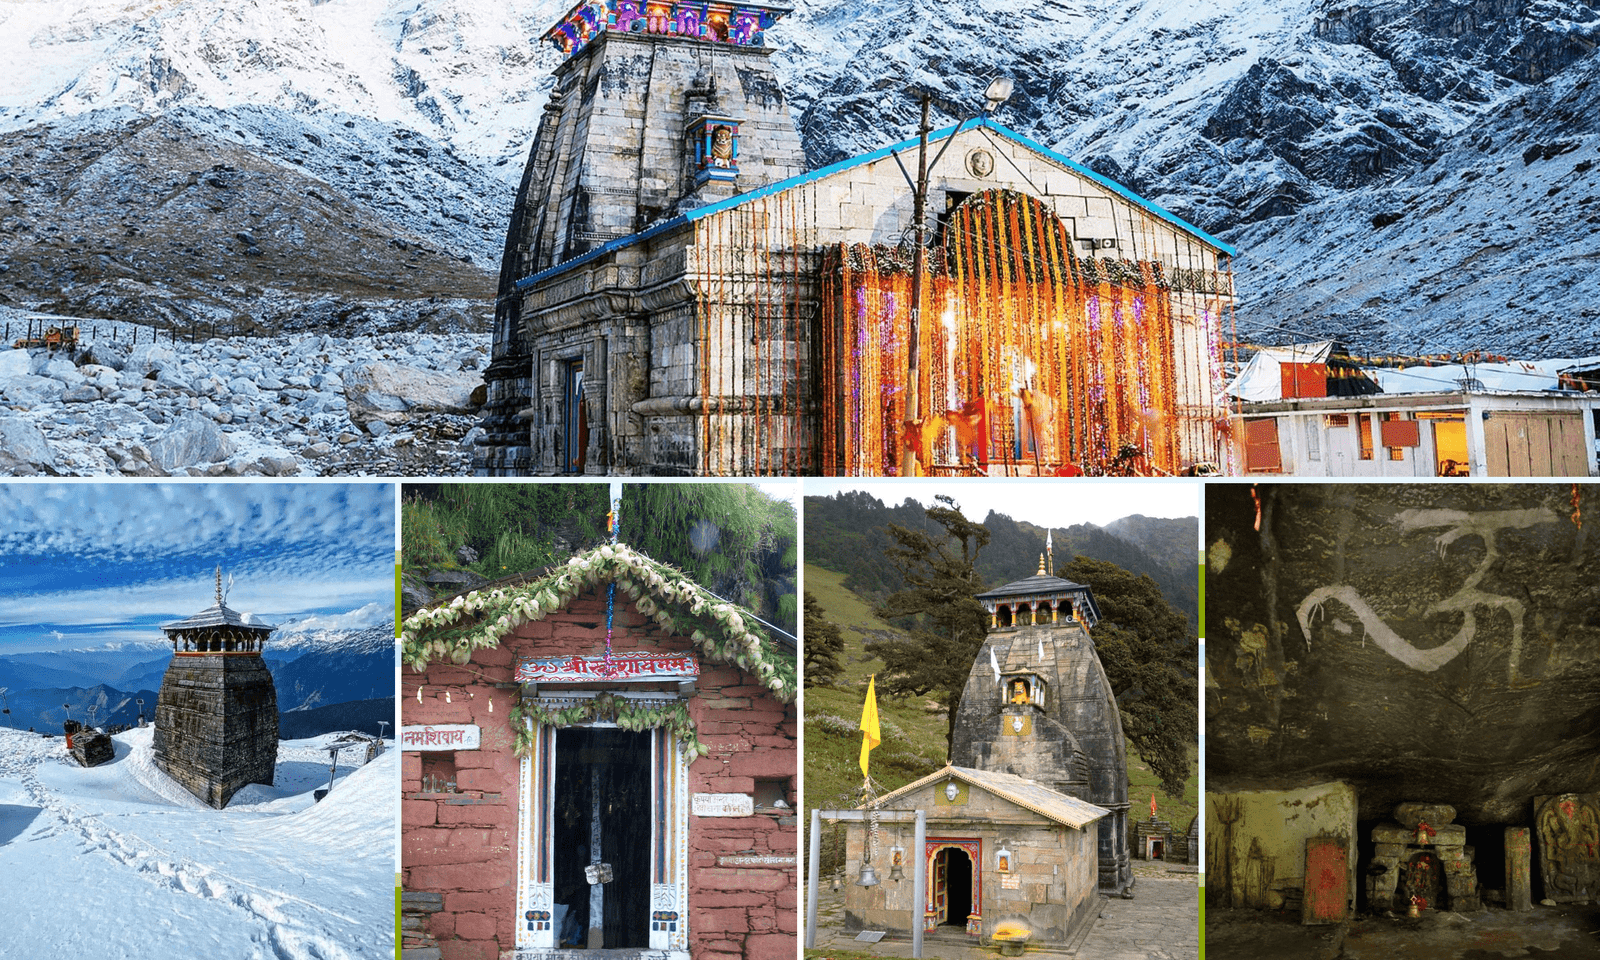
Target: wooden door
[(941, 886)]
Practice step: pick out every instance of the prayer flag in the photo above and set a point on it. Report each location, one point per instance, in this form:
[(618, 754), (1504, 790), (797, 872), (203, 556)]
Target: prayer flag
[(871, 735)]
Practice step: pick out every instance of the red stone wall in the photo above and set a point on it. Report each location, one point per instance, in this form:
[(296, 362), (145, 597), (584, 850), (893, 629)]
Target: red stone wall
[(463, 845)]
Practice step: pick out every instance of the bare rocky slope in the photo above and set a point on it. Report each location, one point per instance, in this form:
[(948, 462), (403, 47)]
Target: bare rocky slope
[(1405, 177)]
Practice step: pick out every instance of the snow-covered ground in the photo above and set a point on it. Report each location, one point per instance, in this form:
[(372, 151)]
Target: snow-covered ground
[(118, 862)]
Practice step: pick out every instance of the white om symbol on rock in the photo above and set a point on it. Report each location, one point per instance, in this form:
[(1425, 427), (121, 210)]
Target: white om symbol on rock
[(1464, 601)]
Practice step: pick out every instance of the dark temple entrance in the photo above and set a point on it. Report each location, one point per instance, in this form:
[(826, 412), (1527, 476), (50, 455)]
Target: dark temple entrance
[(602, 806), (958, 880)]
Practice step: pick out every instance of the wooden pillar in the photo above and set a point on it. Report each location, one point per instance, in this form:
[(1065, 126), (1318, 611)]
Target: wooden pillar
[(1519, 871)]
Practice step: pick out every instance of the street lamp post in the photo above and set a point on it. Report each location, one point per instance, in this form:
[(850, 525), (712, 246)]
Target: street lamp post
[(998, 92)]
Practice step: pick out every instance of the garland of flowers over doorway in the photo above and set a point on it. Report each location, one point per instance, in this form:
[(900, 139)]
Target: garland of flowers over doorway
[(722, 633)]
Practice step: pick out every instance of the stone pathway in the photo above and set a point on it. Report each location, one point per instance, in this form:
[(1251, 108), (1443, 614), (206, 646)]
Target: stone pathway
[(1161, 922)]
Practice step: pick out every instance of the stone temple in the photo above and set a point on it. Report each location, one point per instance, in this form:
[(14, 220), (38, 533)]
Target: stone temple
[(217, 712), (680, 294), (1027, 825)]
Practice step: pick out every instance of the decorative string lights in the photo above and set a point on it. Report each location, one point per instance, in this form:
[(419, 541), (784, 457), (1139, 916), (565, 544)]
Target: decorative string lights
[(1043, 362)]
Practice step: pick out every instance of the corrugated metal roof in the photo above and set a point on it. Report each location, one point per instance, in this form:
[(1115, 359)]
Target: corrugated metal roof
[(217, 615), (1028, 794), (700, 213)]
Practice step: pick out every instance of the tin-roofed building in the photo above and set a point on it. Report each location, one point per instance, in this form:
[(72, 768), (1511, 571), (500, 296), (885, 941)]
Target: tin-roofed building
[(217, 712)]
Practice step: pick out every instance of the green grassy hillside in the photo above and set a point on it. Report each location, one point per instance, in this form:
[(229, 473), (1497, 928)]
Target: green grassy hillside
[(913, 728)]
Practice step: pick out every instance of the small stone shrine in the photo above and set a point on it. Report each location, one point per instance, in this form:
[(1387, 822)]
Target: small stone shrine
[(1568, 826), (1152, 840), (1422, 859), (217, 713)]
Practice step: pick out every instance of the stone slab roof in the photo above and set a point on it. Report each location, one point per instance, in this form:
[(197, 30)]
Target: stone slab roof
[(216, 615), (1032, 585), (1026, 794)]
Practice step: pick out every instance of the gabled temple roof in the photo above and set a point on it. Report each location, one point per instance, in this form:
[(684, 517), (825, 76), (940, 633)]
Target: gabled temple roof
[(217, 615), (1027, 794), (935, 136)]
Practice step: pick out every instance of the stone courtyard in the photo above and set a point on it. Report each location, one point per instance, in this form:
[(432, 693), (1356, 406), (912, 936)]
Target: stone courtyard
[(1161, 922)]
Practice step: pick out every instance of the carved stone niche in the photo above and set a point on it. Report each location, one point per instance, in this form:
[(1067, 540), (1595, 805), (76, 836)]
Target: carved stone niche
[(1568, 827), (1423, 857)]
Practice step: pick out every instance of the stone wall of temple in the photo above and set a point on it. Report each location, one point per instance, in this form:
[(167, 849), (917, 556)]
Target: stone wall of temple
[(217, 724)]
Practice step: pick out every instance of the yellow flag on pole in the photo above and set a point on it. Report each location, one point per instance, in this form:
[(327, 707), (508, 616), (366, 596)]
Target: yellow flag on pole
[(871, 735)]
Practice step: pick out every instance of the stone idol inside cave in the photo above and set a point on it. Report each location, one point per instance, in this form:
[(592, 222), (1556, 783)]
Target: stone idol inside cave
[(1403, 713)]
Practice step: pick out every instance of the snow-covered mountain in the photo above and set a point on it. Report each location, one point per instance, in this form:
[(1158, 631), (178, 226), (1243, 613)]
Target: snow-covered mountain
[(366, 149), (123, 862)]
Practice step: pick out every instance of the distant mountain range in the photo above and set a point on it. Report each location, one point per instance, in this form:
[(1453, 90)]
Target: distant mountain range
[(315, 663), (1405, 176), (848, 533)]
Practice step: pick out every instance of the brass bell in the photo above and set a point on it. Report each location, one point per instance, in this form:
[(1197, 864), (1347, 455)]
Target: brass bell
[(869, 876), (897, 857), (838, 883)]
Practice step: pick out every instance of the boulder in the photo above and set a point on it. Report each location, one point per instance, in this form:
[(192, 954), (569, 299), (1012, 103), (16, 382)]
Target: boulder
[(24, 451), (15, 363), (391, 392), (31, 391), (190, 440), (82, 393), (148, 357)]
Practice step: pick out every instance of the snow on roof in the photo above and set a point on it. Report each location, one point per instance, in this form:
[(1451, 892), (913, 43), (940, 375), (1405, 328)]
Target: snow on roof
[(217, 615), (1262, 380), (1516, 376)]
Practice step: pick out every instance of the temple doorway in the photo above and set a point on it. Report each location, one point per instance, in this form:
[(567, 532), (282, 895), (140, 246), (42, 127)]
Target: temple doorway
[(602, 829)]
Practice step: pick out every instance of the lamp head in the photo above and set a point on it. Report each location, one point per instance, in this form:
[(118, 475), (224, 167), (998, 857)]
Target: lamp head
[(998, 92)]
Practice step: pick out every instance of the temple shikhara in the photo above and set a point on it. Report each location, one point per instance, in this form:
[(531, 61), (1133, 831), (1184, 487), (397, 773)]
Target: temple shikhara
[(680, 295), (1026, 829), (217, 712)]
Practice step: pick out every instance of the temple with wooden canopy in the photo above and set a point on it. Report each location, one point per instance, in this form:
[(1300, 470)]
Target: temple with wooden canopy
[(216, 724)]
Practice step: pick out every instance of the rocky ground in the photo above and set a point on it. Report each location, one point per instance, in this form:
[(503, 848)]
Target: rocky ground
[(400, 404)]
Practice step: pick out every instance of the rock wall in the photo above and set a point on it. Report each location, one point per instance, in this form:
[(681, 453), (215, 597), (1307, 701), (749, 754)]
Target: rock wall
[(464, 844), (1420, 642), (1256, 841)]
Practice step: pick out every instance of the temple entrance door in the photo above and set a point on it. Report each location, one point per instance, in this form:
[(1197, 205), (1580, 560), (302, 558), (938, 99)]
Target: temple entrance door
[(941, 888), (603, 804), (958, 880), (574, 422)]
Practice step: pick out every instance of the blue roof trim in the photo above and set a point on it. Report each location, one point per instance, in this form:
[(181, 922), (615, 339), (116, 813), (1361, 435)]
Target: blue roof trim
[(710, 209)]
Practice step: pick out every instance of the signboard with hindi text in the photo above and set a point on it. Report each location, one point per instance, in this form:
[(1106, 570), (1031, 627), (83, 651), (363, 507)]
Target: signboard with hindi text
[(440, 736), (621, 668)]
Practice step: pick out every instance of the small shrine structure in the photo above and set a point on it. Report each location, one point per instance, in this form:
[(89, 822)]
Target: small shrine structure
[(217, 712), (600, 761)]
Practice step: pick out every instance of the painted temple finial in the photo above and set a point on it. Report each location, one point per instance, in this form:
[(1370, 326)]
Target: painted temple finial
[(1040, 571), (219, 584)]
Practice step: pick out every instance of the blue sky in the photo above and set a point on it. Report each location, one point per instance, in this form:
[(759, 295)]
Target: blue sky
[(84, 565)]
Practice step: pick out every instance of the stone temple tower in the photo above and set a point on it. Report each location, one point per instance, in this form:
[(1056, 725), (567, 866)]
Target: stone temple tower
[(659, 107), (1037, 704), (217, 713)]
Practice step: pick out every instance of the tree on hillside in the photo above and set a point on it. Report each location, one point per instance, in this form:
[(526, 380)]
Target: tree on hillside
[(1150, 659), (824, 644), (941, 580)]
